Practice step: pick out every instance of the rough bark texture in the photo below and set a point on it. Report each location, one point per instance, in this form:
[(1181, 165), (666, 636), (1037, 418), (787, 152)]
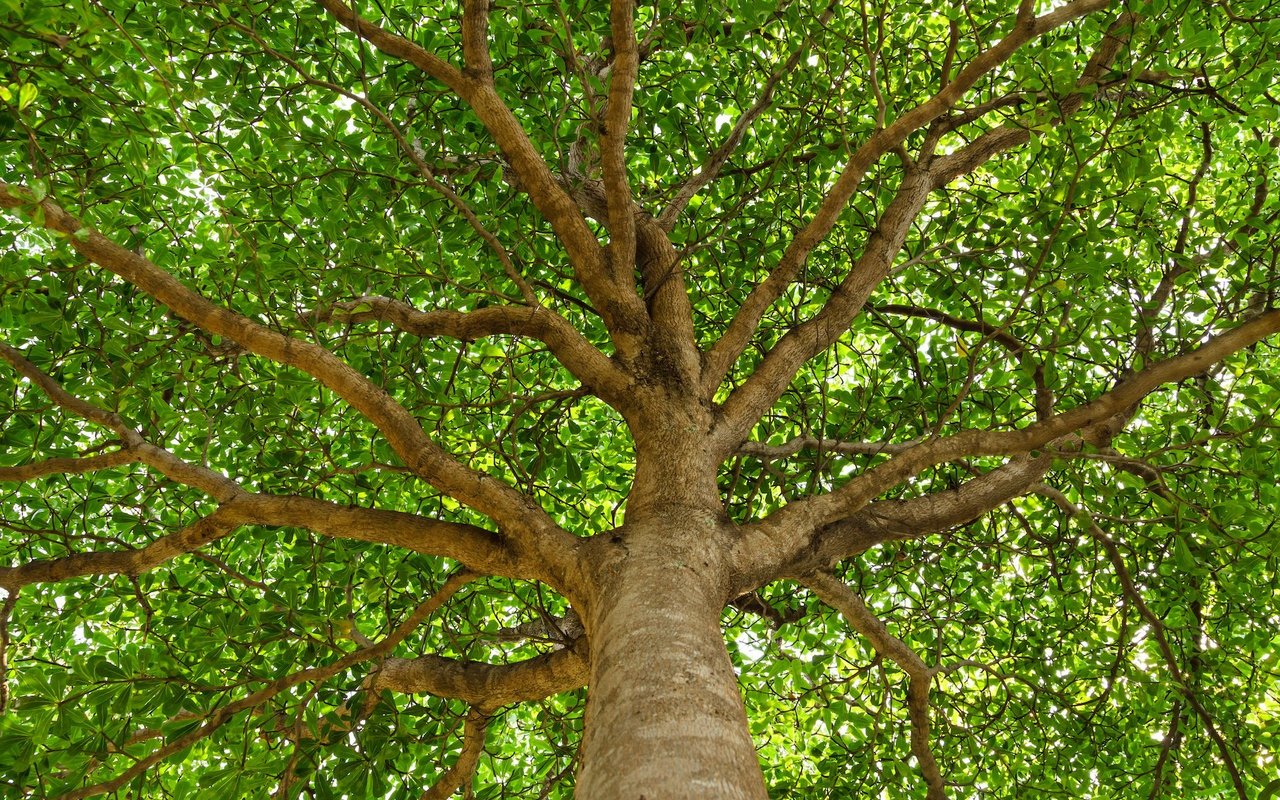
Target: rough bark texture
[(664, 715)]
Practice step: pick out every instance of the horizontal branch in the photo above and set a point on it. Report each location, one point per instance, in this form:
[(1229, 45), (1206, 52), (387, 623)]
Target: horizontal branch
[(488, 686), (789, 532), (570, 348), (67, 466), (520, 517), (773, 452), (482, 551)]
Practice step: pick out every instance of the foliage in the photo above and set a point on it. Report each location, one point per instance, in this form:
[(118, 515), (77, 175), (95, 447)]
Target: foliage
[(281, 167)]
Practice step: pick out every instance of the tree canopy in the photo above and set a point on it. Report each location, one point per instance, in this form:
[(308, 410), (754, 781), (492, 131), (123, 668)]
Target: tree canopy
[(345, 346)]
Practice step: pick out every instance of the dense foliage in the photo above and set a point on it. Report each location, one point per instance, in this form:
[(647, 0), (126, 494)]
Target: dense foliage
[(1111, 633)]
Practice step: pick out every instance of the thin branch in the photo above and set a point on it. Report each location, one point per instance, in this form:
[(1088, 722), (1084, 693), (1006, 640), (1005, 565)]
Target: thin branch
[(223, 715), (743, 326), (613, 142), (710, 168), (463, 771), (67, 466), (1158, 629), (774, 452), (519, 517), (833, 591)]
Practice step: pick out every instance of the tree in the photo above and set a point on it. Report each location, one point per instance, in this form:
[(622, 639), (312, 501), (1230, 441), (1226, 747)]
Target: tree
[(861, 400)]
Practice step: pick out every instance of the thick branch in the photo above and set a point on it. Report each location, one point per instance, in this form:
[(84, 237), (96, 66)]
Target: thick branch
[(518, 515), (731, 345), (622, 311), (488, 686), (579, 356), (832, 591), (786, 533), (613, 141)]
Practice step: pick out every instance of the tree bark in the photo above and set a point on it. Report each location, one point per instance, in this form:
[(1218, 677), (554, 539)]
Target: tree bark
[(665, 719)]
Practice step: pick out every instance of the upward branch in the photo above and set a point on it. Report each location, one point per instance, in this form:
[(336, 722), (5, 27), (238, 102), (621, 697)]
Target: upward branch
[(791, 530), (743, 326), (518, 515), (620, 307)]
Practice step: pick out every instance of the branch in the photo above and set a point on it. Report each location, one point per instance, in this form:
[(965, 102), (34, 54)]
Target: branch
[(464, 769), (67, 466), (621, 309), (1158, 629), (518, 515), (786, 533), (488, 686), (735, 338), (613, 141), (998, 140), (578, 355), (481, 549), (833, 591), (773, 452), (224, 714), (715, 162)]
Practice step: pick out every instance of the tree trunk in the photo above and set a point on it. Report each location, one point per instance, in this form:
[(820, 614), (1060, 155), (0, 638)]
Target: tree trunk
[(665, 719)]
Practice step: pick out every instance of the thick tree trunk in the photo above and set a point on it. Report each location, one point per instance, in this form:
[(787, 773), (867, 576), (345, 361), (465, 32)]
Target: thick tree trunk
[(665, 719)]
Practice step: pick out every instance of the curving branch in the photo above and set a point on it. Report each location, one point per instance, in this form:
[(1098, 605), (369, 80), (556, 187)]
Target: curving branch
[(488, 686), (789, 532), (710, 169), (835, 593), (225, 714), (1158, 629), (464, 769), (621, 309), (578, 355), (743, 326), (517, 514)]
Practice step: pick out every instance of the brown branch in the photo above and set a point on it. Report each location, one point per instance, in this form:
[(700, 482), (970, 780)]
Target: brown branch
[(773, 452), (424, 170), (517, 514), (613, 142), (711, 167), (622, 311), (481, 549), (223, 715), (578, 355), (740, 330), (786, 533), (475, 40), (1158, 629), (67, 466), (833, 591), (993, 142), (463, 770), (209, 528), (488, 686)]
